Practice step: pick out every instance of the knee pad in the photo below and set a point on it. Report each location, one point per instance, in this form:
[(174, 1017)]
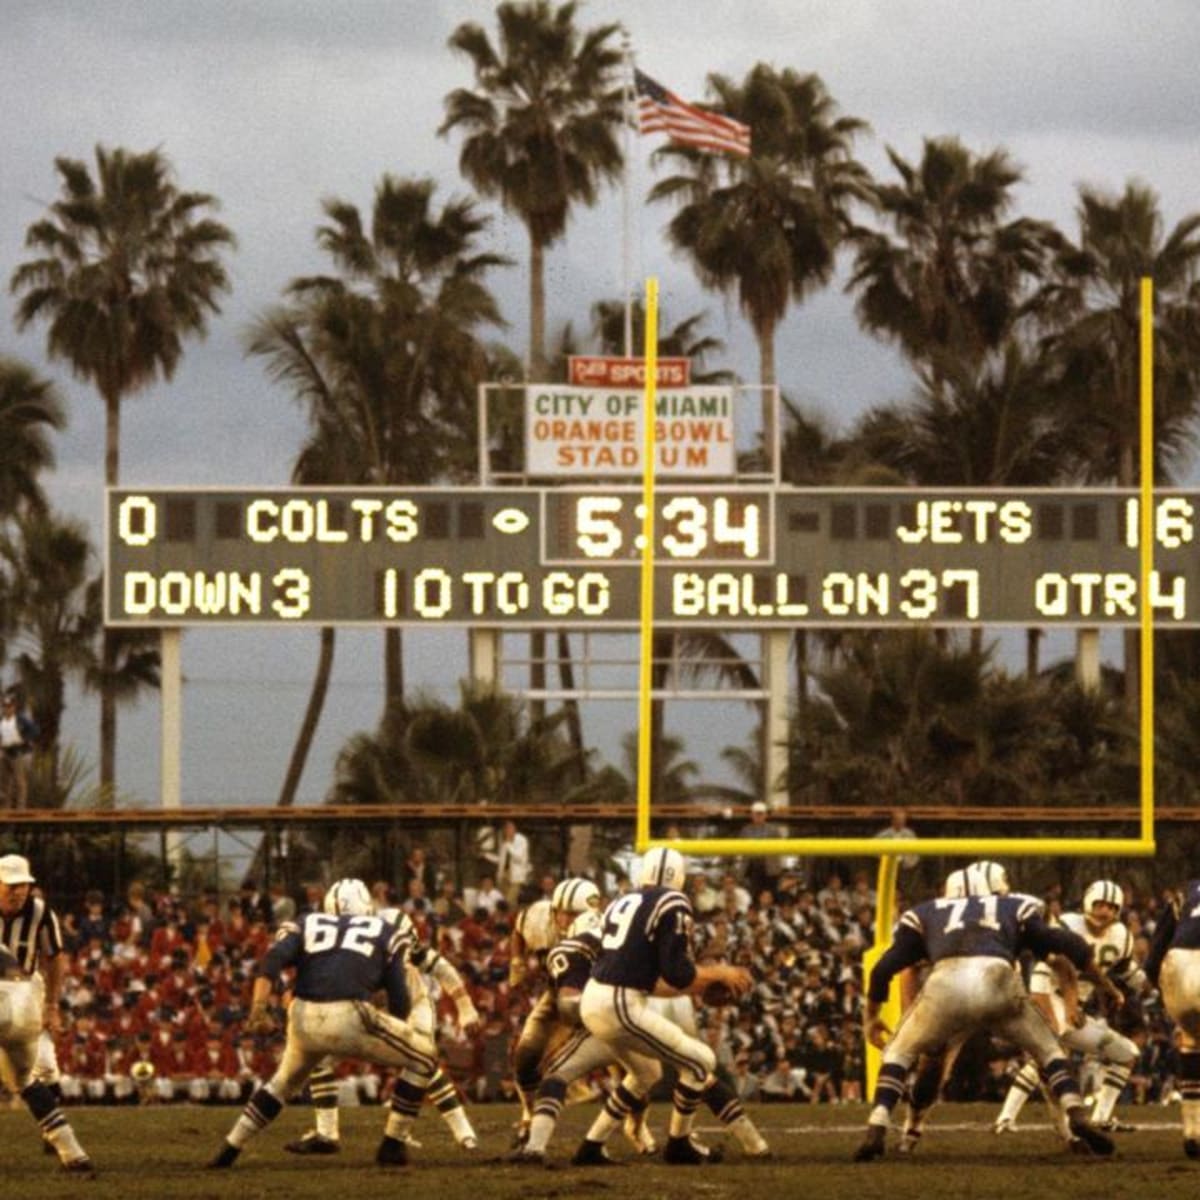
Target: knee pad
[(1120, 1050)]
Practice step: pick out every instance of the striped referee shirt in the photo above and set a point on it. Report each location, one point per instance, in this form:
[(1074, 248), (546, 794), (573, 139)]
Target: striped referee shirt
[(32, 934)]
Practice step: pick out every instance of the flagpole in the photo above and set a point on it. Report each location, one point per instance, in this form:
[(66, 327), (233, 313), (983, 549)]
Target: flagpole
[(627, 199)]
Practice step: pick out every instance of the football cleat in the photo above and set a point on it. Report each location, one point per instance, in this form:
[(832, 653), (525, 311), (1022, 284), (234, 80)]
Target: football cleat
[(225, 1157), (1096, 1141), (520, 1135), (527, 1158), (1112, 1125), (80, 1166), (468, 1143), (592, 1154), (1005, 1125), (910, 1139), (873, 1145), (313, 1143), (685, 1151), (1191, 1147), (392, 1152)]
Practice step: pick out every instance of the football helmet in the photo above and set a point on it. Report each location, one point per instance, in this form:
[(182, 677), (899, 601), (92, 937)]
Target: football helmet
[(978, 879), (987, 878), (663, 867), (955, 887), (348, 898), (575, 896), (1103, 891), (588, 921)]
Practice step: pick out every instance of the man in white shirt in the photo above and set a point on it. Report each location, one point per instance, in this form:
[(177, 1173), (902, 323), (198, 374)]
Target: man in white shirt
[(513, 867)]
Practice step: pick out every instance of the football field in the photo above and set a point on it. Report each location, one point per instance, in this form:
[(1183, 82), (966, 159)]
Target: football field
[(159, 1153)]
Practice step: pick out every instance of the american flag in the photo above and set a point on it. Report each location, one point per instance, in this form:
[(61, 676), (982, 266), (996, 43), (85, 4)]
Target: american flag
[(661, 111)]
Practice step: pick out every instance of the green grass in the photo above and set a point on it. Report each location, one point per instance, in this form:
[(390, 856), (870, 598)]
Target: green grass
[(159, 1153)]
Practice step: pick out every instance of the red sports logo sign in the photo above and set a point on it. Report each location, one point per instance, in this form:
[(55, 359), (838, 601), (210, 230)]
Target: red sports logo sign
[(606, 371)]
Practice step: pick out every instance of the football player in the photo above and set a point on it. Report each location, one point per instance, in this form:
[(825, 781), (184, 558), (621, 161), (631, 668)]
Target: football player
[(340, 962), (1173, 965), (21, 1006), (30, 929), (569, 966), (646, 945), (1065, 1003), (351, 897), (537, 929), (972, 943), (932, 1070)]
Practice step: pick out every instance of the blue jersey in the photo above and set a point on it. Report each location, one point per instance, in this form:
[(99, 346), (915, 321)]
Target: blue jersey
[(974, 926), (569, 964), (341, 958), (1186, 934), (1176, 929), (647, 936)]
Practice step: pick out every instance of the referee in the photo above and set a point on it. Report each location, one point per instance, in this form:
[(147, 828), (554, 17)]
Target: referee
[(29, 928)]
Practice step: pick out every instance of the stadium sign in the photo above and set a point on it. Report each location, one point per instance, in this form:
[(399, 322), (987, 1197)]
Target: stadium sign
[(594, 370), (584, 431)]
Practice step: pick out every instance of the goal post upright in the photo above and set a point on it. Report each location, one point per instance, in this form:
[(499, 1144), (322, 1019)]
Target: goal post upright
[(888, 851)]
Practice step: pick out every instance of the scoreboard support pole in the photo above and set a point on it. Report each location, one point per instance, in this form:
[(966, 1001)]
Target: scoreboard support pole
[(171, 734), (775, 718)]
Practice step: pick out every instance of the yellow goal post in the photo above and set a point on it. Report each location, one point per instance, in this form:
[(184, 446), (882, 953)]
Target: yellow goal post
[(888, 851)]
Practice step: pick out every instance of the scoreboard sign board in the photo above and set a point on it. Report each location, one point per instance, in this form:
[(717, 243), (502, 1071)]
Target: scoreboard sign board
[(733, 557)]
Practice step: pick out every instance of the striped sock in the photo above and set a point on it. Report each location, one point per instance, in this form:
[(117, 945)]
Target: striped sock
[(404, 1106), (1023, 1085), (1189, 1090), (261, 1109)]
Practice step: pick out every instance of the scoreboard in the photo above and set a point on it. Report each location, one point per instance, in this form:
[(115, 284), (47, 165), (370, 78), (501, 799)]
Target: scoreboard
[(725, 556)]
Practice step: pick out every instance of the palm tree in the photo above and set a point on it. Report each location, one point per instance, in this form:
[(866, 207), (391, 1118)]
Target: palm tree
[(959, 288), (485, 750), (957, 278), (685, 339), (125, 267), (1097, 299), (44, 564), (1122, 238), (768, 226), (540, 127), (30, 409), (541, 136), (384, 356)]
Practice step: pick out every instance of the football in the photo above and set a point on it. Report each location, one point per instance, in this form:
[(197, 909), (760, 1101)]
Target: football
[(142, 1071)]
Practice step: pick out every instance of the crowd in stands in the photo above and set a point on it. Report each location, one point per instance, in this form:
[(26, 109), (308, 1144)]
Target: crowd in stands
[(156, 979)]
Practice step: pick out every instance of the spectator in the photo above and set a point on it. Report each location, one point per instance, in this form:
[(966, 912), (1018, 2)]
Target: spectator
[(283, 907), (762, 872), (513, 866), (898, 827), (18, 733), (418, 866), (486, 896), (447, 908), (784, 1082)]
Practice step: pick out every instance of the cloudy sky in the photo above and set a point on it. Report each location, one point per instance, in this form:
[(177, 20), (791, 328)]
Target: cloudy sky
[(272, 105)]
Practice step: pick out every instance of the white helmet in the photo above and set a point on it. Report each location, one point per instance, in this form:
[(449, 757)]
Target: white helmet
[(663, 867), (978, 879), (955, 887), (348, 898), (588, 921), (1103, 891), (575, 896)]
